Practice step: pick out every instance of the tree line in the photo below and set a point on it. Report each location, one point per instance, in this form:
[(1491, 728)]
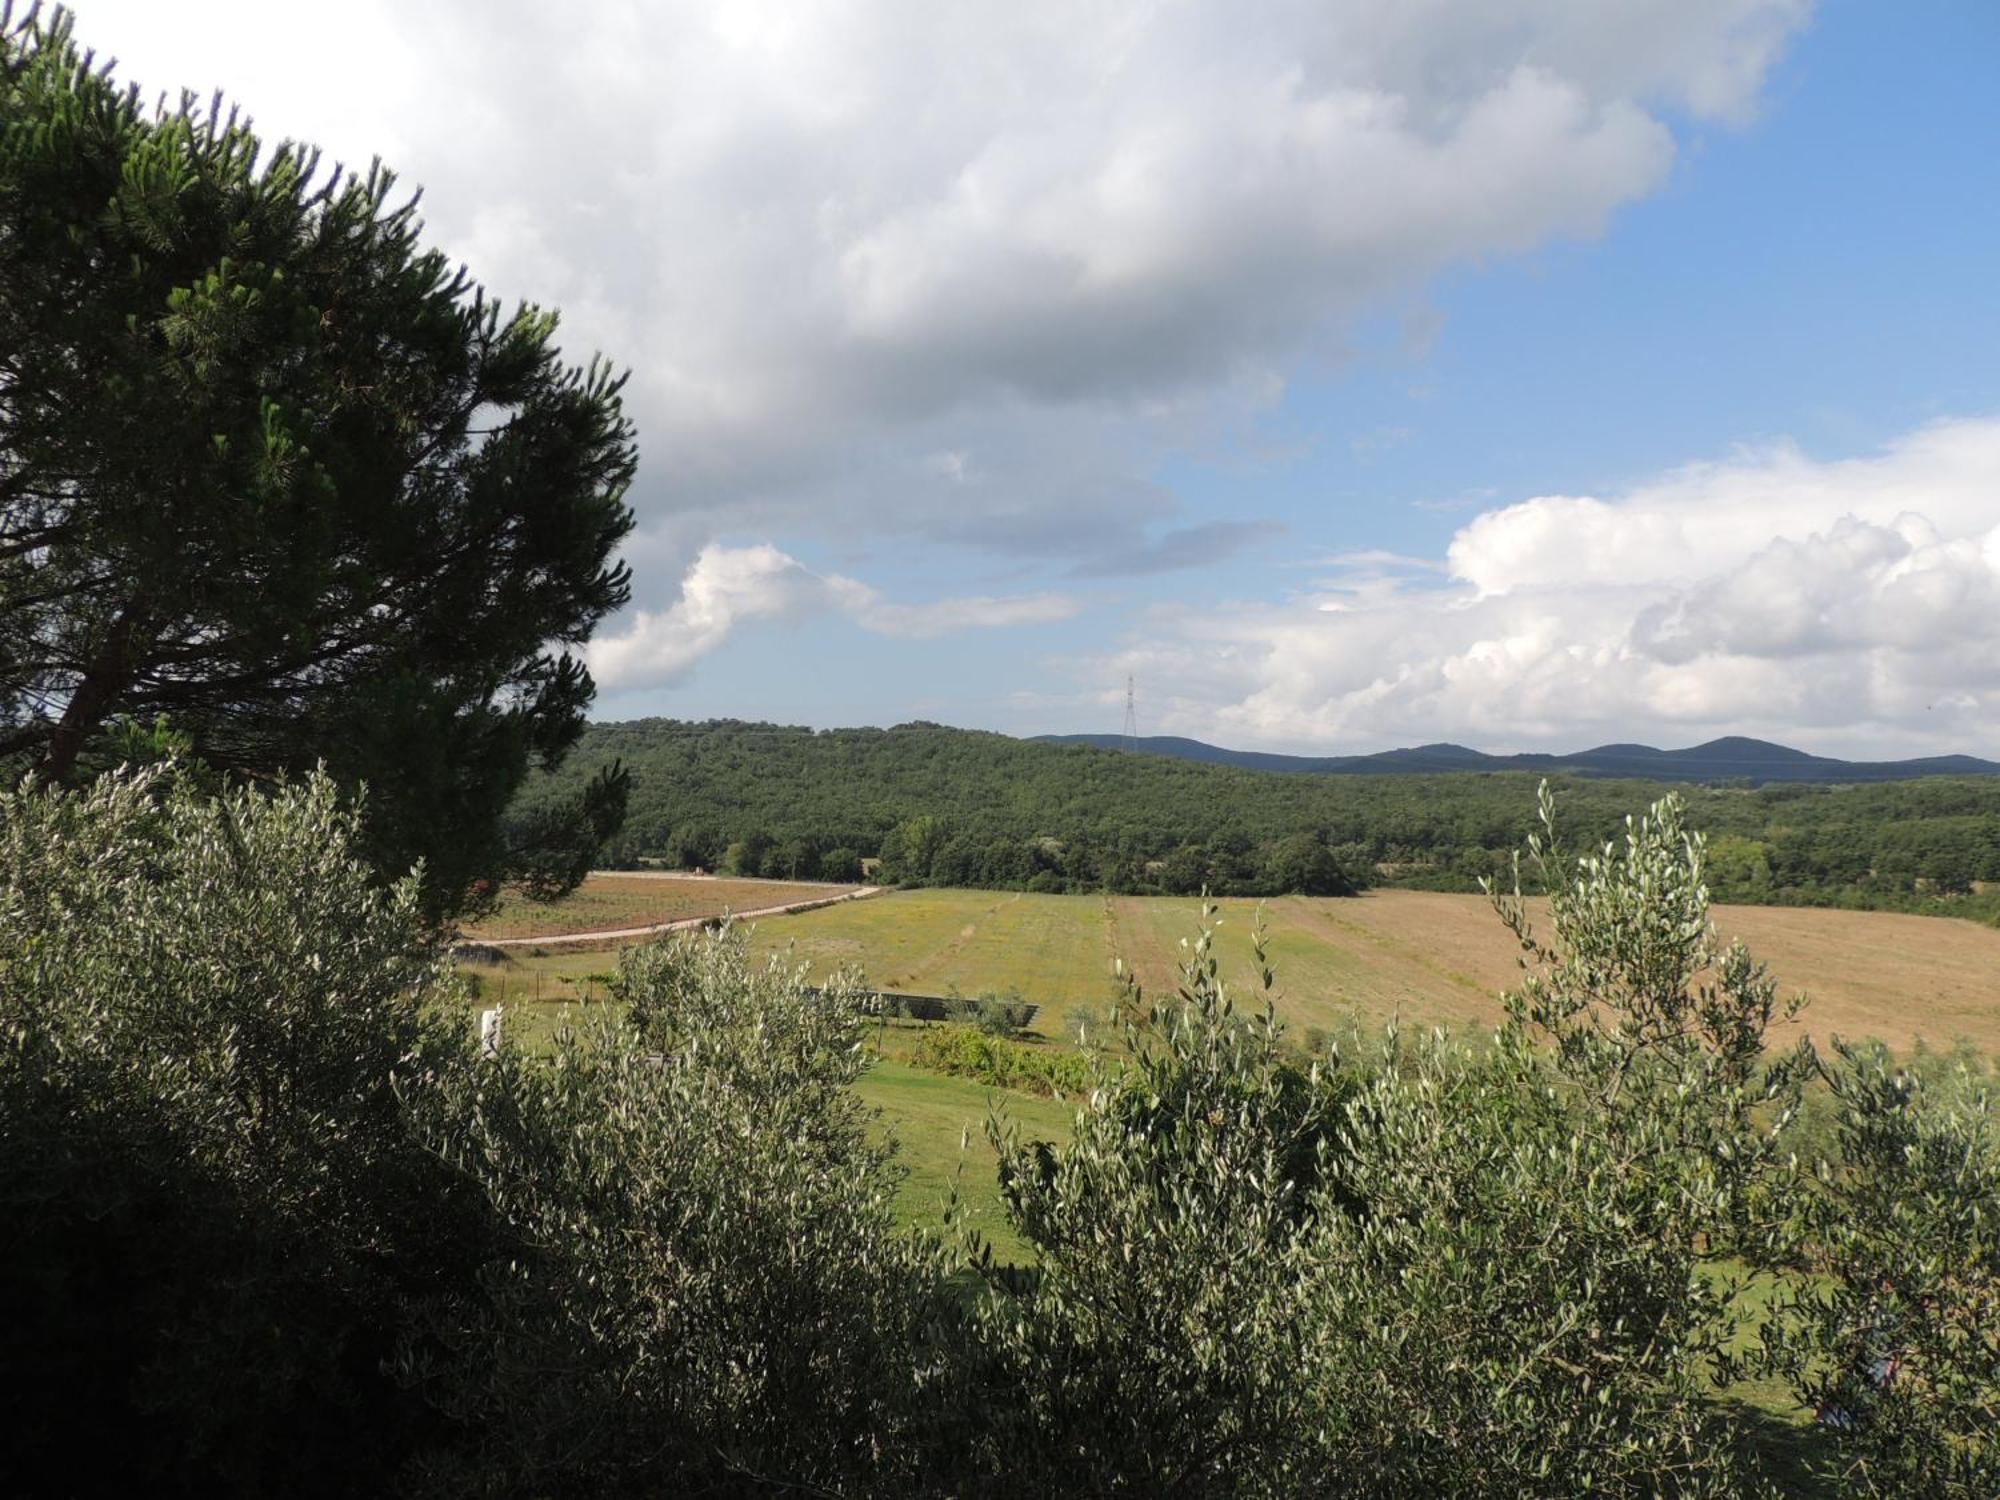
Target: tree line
[(943, 806)]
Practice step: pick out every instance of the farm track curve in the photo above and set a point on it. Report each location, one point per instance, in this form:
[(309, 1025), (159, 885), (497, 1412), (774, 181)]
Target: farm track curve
[(678, 924)]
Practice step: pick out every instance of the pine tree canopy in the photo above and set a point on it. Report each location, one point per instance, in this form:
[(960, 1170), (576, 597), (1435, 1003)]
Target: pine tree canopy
[(275, 473)]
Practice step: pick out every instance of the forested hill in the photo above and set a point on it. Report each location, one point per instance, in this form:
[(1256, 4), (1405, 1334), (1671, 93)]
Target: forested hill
[(1732, 758), (961, 807)]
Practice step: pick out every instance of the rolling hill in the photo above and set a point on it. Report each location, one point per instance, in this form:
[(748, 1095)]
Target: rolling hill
[(957, 807), (1732, 758)]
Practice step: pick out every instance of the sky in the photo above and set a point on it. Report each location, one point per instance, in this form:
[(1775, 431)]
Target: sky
[(1346, 374)]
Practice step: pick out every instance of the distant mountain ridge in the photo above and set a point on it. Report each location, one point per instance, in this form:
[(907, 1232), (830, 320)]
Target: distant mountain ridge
[(1731, 758)]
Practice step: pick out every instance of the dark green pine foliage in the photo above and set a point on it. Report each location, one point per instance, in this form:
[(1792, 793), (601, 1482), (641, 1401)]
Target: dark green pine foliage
[(273, 470)]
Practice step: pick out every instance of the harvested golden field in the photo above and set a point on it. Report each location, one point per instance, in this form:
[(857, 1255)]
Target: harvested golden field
[(612, 901), (1427, 958)]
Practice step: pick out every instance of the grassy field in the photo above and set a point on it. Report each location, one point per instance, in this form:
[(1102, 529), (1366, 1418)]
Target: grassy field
[(1054, 950), (1342, 965), (634, 900), (939, 1125), (1422, 957)]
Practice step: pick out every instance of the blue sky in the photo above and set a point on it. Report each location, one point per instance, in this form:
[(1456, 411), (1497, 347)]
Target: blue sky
[(1526, 374)]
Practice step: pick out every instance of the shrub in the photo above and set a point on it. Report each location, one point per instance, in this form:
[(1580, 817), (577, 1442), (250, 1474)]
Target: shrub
[(996, 1015), (968, 1052), (1158, 1349), (1520, 1309), (1529, 1302), (269, 1219), (1473, 1272), (1894, 1342), (215, 1211), (841, 864), (704, 1287)]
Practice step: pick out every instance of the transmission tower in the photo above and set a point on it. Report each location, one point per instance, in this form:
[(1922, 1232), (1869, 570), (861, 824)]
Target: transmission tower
[(1131, 731)]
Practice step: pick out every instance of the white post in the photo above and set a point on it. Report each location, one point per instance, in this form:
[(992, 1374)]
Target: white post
[(489, 1033)]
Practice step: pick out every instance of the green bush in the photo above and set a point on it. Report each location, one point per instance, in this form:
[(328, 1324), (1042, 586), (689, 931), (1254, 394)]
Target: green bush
[(1536, 1298), (968, 1052), (1158, 1349), (996, 1015), (1466, 1272), (215, 1213), (271, 1221), (1894, 1341), (703, 1287)]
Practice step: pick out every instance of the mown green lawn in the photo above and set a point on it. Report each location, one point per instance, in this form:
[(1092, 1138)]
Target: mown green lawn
[(1053, 950), (939, 1125)]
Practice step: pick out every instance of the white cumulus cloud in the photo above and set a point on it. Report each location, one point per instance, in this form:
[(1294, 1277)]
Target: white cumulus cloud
[(1852, 603), (728, 587)]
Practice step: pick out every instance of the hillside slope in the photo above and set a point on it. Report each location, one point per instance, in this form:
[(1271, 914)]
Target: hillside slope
[(1732, 758), (963, 807)]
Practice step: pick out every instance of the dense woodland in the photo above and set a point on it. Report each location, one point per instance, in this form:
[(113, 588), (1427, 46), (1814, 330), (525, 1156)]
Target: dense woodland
[(959, 807)]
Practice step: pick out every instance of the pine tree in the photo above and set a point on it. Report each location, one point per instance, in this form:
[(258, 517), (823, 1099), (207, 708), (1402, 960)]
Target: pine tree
[(275, 471)]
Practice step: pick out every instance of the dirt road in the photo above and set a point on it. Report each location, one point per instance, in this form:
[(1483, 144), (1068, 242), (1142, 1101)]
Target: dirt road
[(680, 924)]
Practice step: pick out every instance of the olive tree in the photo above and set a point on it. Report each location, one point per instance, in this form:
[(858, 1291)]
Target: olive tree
[(1893, 1338), (1535, 1299), (216, 1214), (703, 1286), (1493, 1269), (1156, 1347)]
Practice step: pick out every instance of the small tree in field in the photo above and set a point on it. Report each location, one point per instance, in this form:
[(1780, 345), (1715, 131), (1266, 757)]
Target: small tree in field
[(272, 469)]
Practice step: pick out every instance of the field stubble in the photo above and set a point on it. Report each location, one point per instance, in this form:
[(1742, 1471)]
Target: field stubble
[(1345, 966), (1424, 958), (1419, 957)]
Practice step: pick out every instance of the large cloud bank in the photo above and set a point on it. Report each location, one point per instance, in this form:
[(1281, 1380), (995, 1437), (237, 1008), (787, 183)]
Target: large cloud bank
[(955, 273), (1851, 604), (957, 276)]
